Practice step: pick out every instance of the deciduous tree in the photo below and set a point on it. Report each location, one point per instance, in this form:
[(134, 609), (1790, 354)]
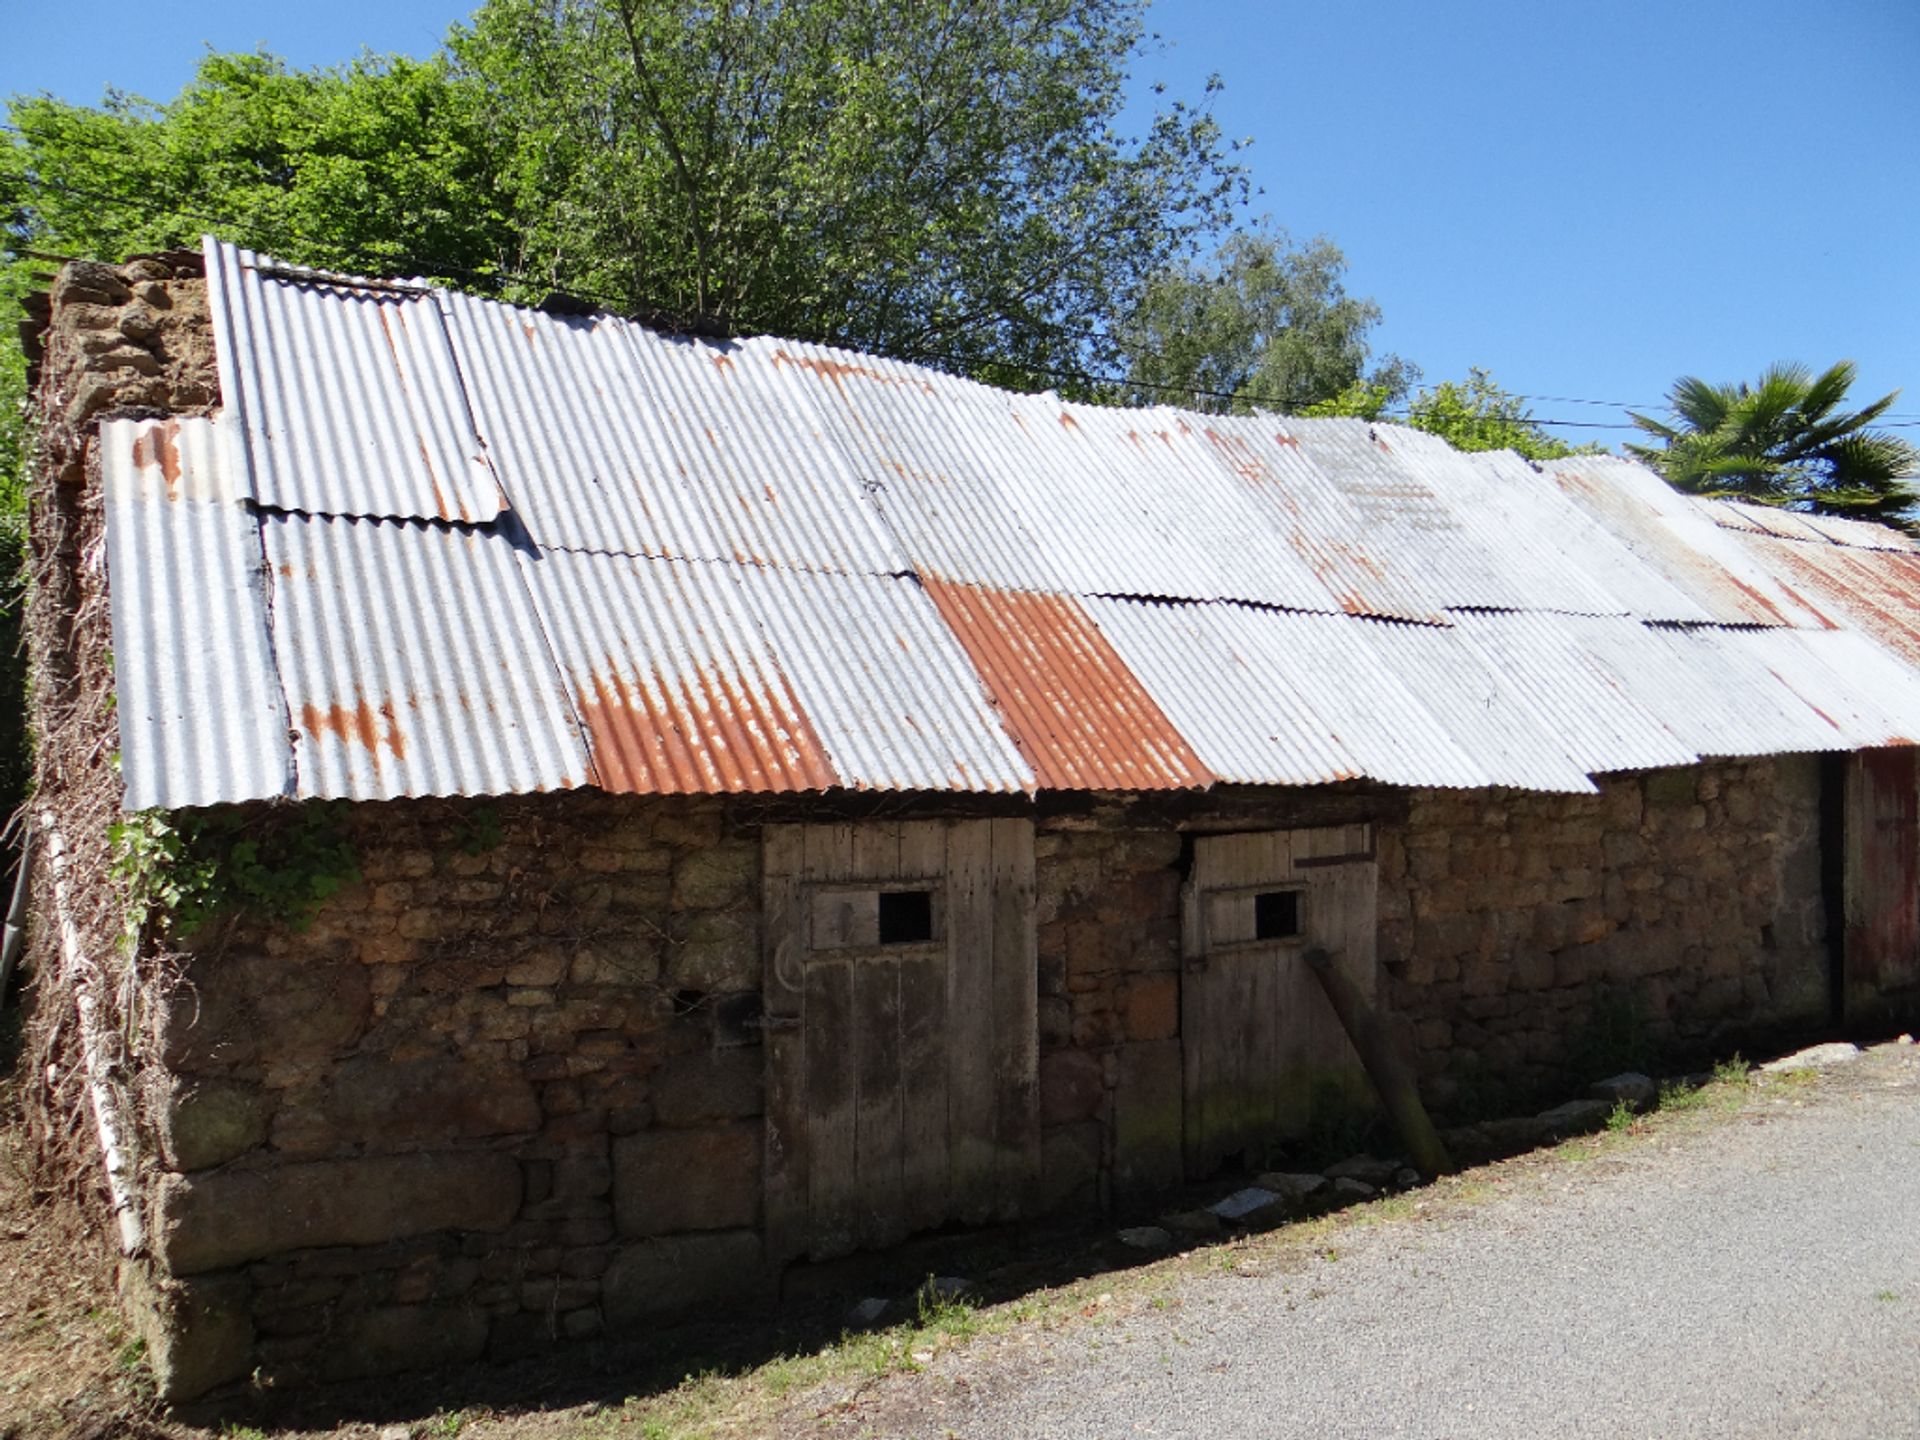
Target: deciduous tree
[(1267, 324)]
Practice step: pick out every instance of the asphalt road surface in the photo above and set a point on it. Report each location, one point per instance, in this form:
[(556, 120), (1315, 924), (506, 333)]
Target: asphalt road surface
[(1756, 1277)]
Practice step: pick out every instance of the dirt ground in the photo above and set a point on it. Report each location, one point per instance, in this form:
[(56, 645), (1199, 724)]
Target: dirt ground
[(70, 1371), (68, 1368)]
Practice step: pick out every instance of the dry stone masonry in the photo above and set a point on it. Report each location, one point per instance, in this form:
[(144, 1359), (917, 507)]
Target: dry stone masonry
[(499, 1095)]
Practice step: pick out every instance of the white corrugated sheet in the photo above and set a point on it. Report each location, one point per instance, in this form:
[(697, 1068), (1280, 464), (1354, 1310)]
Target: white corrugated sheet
[(201, 715), (456, 547), (345, 398), (413, 662), (1602, 727), (612, 438)]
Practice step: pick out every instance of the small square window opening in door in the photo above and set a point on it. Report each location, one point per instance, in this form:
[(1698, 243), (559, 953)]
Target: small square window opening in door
[(1276, 915), (906, 917)]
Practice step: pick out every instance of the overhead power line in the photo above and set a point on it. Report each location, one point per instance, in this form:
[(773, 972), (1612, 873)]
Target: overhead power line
[(1080, 376)]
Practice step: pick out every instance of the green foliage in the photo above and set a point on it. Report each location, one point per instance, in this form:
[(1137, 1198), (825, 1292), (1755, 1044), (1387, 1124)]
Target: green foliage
[(1785, 441), (478, 830), (1362, 400), (1266, 325), (940, 181), (379, 164), (182, 869), (1470, 414), (1476, 414)]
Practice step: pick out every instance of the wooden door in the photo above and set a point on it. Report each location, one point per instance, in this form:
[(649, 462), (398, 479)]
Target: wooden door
[(1881, 957), (1259, 1042), (901, 992)]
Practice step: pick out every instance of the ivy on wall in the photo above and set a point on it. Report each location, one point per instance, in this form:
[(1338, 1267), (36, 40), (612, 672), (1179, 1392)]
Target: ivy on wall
[(182, 869)]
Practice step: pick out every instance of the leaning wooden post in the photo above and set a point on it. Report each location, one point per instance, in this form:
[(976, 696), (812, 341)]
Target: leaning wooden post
[(1385, 1067)]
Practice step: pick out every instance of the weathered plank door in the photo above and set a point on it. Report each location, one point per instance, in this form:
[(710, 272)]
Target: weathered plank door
[(901, 993), (1881, 958), (1259, 1041)]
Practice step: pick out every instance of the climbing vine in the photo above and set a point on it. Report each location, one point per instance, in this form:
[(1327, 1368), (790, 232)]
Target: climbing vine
[(182, 869)]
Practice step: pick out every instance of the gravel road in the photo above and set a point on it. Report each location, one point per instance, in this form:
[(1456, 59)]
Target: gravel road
[(1756, 1277)]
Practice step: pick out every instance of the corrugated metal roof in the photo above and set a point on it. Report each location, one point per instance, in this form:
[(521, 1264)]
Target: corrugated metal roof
[(694, 676), (767, 566), (1710, 690), (1480, 709), (1876, 592), (1247, 725), (1403, 516), (1872, 698), (200, 711), (612, 438), (1602, 726), (345, 398), (1668, 532), (413, 662), (1507, 518), (1081, 718), (1272, 696)]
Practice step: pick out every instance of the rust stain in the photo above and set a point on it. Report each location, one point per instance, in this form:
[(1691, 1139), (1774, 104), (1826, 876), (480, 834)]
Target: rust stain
[(1067, 420), (357, 722), (839, 370), (433, 483), (767, 490), (722, 361), (1240, 457), (711, 734), (1285, 439), (1077, 714), (532, 332), (384, 311), (160, 446)]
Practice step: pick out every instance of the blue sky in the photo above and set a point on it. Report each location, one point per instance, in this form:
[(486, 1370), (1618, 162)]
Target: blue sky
[(1588, 199)]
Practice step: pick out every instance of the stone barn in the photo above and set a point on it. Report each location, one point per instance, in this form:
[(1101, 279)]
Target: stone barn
[(544, 825)]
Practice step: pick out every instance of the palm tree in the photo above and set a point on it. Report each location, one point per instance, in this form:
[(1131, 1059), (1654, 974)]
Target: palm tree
[(1785, 441)]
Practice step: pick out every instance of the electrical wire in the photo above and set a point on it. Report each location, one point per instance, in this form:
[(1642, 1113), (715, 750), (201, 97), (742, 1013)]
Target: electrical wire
[(1072, 375)]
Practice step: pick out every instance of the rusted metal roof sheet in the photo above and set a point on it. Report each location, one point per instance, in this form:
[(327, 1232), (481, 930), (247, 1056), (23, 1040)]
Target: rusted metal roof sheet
[(344, 397), (700, 677), (1668, 531), (413, 662), (1875, 592), (615, 439), (201, 716), (1079, 715)]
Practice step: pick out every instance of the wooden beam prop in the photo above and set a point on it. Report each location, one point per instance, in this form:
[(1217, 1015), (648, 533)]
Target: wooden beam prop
[(1385, 1066)]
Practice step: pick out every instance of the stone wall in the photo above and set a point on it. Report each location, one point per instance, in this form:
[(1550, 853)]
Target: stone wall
[(1109, 936), (503, 1091), (507, 1090), (112, 340), (1526, 936)]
